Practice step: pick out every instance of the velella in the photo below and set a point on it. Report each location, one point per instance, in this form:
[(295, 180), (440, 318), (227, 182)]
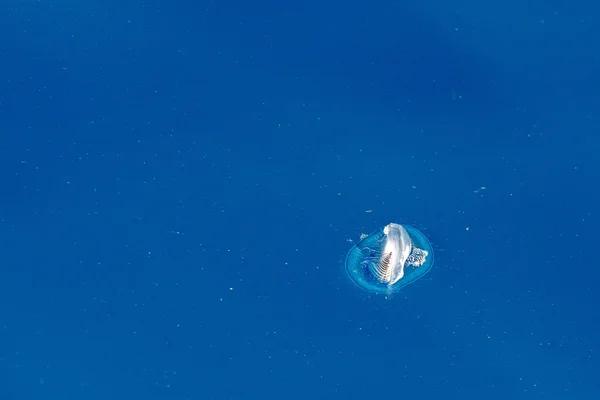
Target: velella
[(389, 259)]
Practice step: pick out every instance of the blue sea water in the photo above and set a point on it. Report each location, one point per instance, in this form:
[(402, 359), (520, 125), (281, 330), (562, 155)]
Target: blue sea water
[(181, 182)]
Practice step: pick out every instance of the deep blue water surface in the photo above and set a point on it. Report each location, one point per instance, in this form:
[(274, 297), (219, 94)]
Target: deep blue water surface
[(180, 183)]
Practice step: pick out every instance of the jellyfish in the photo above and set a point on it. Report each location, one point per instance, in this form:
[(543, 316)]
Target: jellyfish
[(389, 259)]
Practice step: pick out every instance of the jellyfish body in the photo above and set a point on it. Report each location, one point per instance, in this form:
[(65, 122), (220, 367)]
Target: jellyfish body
[(389, 259)]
